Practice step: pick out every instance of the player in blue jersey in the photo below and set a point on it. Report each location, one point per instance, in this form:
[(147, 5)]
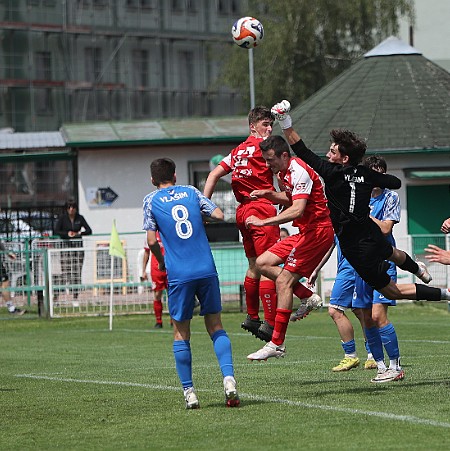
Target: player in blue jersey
[(379, 331), (178, 212)]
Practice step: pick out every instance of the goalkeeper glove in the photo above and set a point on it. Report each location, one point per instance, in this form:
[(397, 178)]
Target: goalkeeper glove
[(281, 112)]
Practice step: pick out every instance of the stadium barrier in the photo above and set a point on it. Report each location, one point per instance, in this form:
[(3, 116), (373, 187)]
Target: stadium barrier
[(76, 281)]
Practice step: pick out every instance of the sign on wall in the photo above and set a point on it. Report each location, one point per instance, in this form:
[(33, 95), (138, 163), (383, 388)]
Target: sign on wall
[(100, 197)]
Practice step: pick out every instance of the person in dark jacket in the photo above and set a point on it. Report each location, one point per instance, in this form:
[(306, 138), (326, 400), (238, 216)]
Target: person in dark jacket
[(70, 227)]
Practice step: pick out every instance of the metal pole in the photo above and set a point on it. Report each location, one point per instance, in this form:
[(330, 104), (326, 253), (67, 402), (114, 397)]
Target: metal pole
[(252, 79)]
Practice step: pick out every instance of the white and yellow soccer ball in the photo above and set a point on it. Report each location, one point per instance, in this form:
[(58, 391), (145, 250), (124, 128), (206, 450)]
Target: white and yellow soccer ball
[(247, 32)]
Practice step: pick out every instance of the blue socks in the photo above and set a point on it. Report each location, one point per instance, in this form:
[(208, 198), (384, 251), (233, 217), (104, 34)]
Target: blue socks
[(349, 347), (183, 362), (390, 342), (183, 357), (374, 342), (222, 348)]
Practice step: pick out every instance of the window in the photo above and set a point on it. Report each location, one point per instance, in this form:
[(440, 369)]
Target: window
[(140, 63), (93, 63), (43, 101), (43, 64), (177, 5), (186, 69), (227, 7), (191, 6)]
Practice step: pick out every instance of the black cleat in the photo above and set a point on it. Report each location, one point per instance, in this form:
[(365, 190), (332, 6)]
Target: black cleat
[(251, 325)]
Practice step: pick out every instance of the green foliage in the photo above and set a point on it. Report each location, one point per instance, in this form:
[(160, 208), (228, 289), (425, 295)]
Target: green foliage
[(73, 384), (308, 43)]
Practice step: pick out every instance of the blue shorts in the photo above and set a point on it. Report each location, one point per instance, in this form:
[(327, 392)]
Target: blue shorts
[(365, 295), (343, 288), (181, 298)]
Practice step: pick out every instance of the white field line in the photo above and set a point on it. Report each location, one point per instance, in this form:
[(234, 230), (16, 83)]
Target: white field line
[(246, 334), (384, 415)]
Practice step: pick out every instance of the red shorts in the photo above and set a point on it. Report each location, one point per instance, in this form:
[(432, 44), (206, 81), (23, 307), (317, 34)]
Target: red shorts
[(257, 240), (159, 278), (303, 252)]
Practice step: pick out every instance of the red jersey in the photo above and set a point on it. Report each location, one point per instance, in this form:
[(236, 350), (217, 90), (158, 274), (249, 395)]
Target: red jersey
[(300, 181), (249, 169), (153, 262)]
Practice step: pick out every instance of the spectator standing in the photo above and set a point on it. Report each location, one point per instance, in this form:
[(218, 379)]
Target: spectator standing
[(71, 227)]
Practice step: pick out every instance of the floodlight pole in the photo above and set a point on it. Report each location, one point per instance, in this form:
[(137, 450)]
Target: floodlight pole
[(252, 78)]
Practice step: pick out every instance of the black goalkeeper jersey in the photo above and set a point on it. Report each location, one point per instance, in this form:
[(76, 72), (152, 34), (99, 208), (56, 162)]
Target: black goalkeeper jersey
[(348, 188)]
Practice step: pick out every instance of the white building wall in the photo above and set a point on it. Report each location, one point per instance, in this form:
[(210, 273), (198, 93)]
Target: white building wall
[(127, 172), (431, 31)]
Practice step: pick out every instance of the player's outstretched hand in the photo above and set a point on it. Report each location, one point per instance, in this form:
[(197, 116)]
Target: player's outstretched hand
[(280, 111), (436, 254)]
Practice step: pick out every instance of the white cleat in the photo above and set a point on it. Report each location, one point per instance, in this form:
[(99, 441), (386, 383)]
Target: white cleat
[(307, 305), (231, 394), (388, 375), (423, 273), (191, 399), (269, 350)]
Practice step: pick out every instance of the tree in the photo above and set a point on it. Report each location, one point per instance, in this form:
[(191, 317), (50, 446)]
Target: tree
[(307, 43)]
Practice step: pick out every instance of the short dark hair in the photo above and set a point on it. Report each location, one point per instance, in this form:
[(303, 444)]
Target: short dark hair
[(277, 143), (376, 162), (350, 144), (162, 170), (71, 203), (259, 113)]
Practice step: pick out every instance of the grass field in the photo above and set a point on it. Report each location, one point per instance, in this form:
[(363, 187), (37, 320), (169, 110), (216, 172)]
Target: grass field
[(73, 384)]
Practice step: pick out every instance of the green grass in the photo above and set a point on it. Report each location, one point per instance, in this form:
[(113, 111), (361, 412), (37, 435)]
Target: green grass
[(73, 384)]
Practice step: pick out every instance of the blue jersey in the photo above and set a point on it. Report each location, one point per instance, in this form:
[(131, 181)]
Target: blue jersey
[(176, 212), (386, 207)]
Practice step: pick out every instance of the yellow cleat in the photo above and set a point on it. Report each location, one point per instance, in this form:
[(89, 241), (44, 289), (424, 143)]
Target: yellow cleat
[(370, 364), (347, 363)]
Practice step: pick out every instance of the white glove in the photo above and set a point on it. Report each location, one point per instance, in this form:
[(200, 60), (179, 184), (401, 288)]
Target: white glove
[(281, 112)]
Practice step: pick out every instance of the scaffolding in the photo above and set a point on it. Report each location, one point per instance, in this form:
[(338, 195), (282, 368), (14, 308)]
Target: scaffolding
[(80, 60)]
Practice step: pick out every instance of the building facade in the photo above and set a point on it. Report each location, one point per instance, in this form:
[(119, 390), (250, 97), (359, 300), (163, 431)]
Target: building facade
[(86, 60)]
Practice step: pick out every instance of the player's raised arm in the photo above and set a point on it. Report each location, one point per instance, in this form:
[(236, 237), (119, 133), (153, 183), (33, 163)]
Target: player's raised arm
[(281, 113)]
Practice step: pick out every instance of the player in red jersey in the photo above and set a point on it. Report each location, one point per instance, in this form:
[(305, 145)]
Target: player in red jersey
[(306, 205), (159, 281), (249, 172)]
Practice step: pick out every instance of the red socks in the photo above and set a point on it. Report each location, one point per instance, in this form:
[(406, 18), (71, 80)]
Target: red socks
[(268, 295), (281, 324), (251, 287), (158, 309)]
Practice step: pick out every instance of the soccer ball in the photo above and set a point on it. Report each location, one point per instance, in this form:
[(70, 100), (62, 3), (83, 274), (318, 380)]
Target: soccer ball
[(247, 32)]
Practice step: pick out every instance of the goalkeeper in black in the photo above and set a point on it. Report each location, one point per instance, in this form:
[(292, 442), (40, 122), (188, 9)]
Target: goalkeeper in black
[(348, 186)]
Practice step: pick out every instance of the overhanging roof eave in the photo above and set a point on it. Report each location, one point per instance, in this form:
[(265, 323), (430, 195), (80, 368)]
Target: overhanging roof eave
[(154, 142)]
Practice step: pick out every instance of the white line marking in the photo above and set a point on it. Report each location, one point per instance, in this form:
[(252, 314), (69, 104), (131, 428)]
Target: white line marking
[(384, 415)]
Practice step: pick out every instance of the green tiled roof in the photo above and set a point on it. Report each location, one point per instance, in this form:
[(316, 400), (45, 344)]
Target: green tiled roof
[(394, 97), (169, 131)]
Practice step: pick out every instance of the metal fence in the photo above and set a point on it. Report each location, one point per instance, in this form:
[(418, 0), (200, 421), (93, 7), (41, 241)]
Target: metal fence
[(71, 281), (76, 281)]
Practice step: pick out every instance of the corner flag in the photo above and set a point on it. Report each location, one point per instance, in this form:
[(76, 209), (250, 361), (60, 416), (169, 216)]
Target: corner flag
[(115, 245)]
